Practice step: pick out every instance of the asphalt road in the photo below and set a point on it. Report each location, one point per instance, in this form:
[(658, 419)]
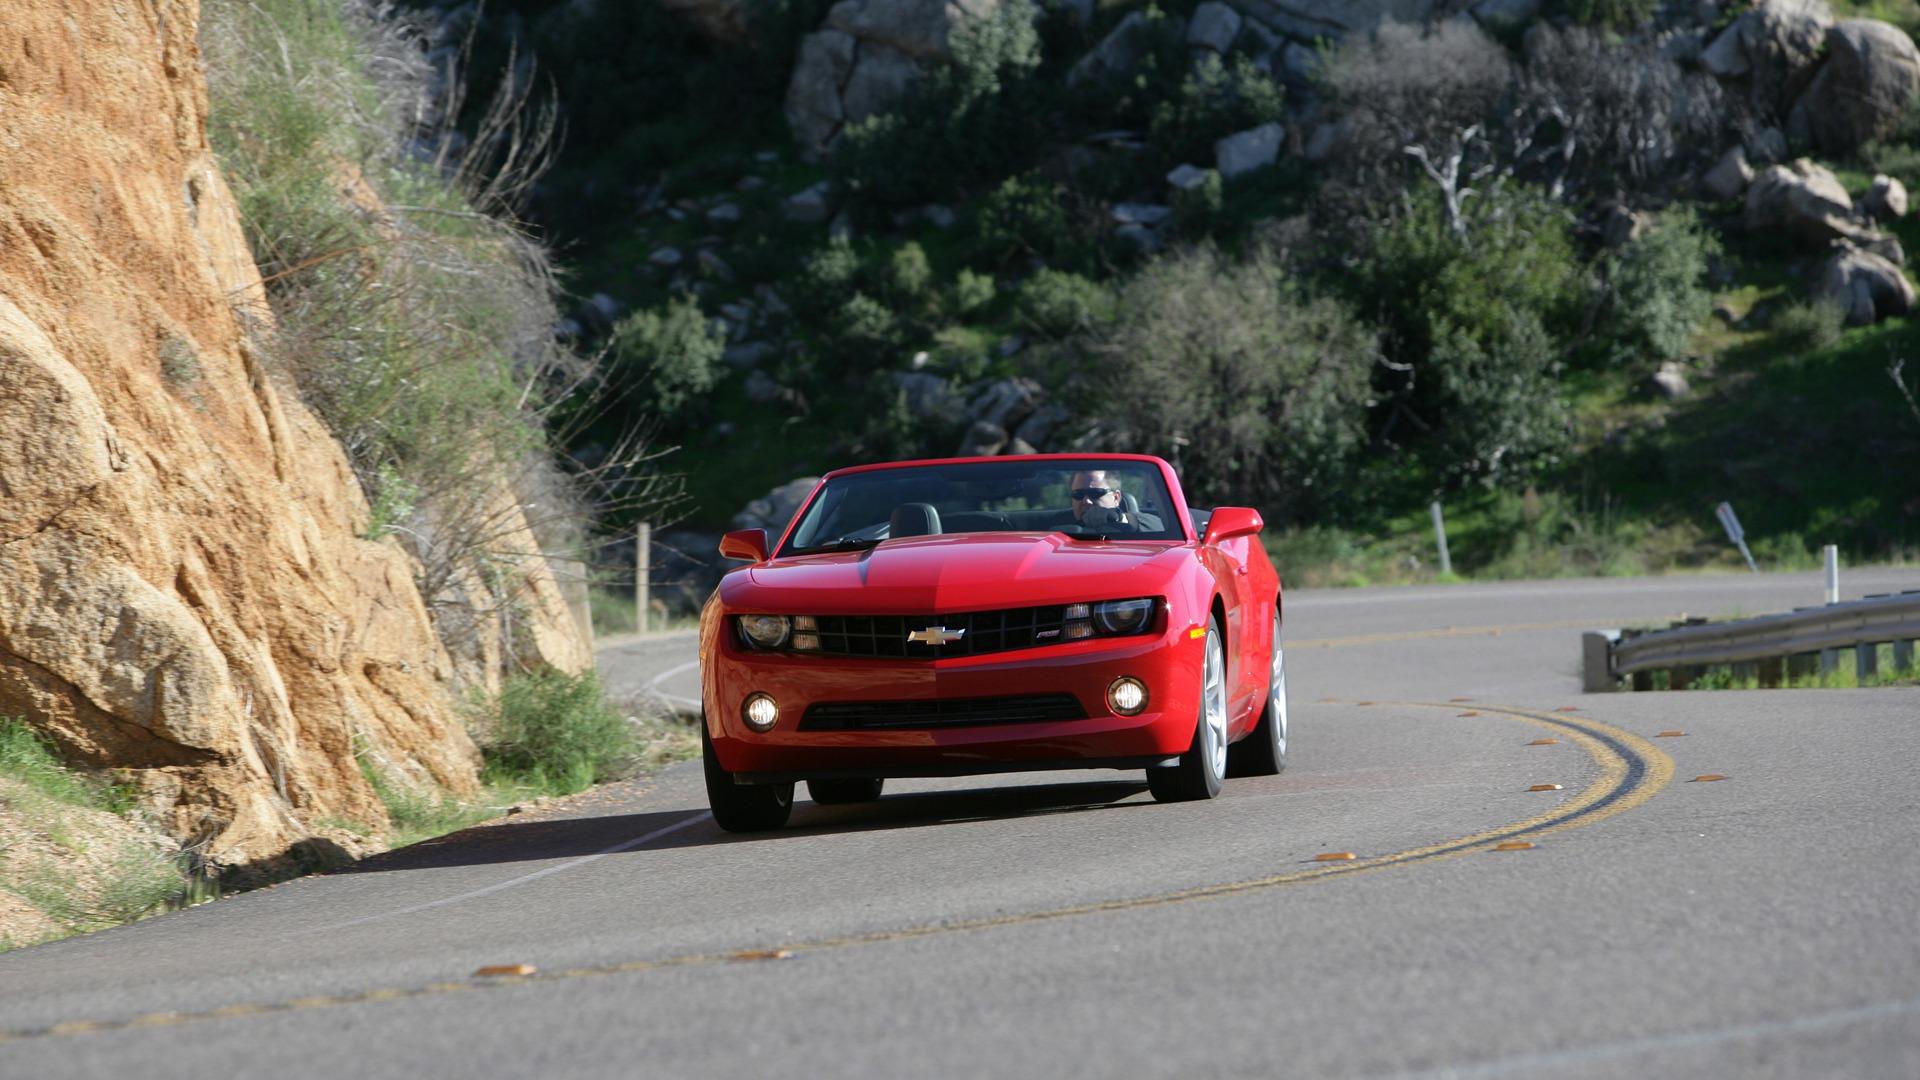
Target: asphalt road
[(1763, 925)]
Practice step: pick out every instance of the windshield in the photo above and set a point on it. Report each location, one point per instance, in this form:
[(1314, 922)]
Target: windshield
[(1092, 498)]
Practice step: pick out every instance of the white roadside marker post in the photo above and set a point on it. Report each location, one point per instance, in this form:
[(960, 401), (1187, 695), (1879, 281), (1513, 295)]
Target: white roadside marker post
[(1440, 537), (1734, 533)]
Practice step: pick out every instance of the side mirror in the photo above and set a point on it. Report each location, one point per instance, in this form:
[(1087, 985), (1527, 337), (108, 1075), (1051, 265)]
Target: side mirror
[(1228, 522), (748, 544)]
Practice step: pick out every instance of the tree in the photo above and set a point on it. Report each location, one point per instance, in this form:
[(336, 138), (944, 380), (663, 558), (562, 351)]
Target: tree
[(1256, 389)]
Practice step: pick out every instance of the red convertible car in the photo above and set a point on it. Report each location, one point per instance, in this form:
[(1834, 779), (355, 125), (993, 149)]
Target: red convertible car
[(981, 615)]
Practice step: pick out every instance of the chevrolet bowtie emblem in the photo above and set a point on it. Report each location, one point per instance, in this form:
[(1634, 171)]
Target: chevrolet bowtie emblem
[(936, 635)]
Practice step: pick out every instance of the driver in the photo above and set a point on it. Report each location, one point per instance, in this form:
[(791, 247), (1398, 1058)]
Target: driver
[(1097, 503)]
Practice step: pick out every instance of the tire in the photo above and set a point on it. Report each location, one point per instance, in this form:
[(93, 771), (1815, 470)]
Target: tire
[(1264, 751), (742, 807), (837, 792), (1204, 765)]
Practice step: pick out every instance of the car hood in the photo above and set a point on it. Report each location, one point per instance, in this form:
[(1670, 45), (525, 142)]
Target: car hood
[(924, 575)]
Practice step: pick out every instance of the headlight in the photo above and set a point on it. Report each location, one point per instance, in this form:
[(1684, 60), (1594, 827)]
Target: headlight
[(1108, 618), (1122, 616), (765, 631)]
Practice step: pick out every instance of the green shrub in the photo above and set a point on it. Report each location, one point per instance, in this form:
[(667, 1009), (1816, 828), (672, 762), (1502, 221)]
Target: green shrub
[(30, 757), (665, 360), (1655, 295), (1058, 304), (972, 291), (1214, 100), (831, 276), (970, 120), (555, 733), (1809, 326), (1478, 323), (1028, 216), (1255, 389), (909, 275)]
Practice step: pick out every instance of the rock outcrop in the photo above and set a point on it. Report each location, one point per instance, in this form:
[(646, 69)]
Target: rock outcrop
[(1870, 76), (868, 52), (184, 593)]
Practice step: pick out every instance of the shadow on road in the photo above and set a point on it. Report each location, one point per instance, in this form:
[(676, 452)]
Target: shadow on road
[(511, 840)]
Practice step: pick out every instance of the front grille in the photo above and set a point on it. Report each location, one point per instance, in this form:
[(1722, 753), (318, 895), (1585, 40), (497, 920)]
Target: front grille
[(984, 632), (945, 713)]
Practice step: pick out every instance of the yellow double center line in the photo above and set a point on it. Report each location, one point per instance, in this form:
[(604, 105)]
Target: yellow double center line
[(1632, 771)]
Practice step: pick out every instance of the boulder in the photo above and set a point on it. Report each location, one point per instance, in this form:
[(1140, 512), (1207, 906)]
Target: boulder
[(1767, 146), (1116, 55), (1805, 200), (1772, 49), (929, 397), (1038, 428), (1245, 151), (983, 439), (1497, 13), (1005, 403), (858, 63), (811, 205), (1338, 19), (1870, 77), (1149, 214), (1186, 177), (1671, 381), (1214, 26), (723, 22), (1867, 287), (1299, 64), (1727, 179), (1885, 200), (1622, 226), (814, 112), (775, 510)]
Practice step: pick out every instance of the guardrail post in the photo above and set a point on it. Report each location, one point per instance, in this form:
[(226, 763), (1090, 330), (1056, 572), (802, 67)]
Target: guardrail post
[(1772, 672), (1829, 661), (1596, 651), (1866, 659), (1902, 655)]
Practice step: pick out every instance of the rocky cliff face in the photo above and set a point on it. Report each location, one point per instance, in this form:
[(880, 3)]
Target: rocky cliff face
[(184, 593)]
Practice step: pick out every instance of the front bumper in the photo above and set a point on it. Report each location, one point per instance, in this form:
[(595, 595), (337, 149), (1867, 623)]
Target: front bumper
[(1168, 663)]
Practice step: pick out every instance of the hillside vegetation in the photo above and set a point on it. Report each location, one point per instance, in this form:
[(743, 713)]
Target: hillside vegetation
[(1432, 310)]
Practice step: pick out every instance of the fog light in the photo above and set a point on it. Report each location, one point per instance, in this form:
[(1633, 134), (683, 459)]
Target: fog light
[(1127, 696), (760, 712)]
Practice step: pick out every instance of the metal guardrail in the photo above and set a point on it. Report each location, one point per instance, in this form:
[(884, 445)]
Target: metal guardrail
[(1770, 641)]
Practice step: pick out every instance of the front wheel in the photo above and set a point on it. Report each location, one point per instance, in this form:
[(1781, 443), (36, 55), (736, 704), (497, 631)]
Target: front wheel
[(1202, 767), (1264, 751), (742, 807)]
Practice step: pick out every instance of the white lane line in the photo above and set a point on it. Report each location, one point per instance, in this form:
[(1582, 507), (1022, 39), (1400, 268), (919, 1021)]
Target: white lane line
[(653, 686), (624, 845), (1592, 1055)]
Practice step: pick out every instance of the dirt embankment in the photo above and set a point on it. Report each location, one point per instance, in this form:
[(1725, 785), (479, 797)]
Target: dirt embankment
[(184, 591)]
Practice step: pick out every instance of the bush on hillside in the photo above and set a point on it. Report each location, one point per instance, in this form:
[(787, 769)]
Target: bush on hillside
[(1655, 295), (970, 121), (1058, 304), (663, 362), (1030, 216), (1476, 327), (1255, 389), (1215, 99), (555, 732)]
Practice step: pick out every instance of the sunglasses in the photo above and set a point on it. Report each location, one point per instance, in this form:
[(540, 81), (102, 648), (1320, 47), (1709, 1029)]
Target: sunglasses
[(1091, 494)]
